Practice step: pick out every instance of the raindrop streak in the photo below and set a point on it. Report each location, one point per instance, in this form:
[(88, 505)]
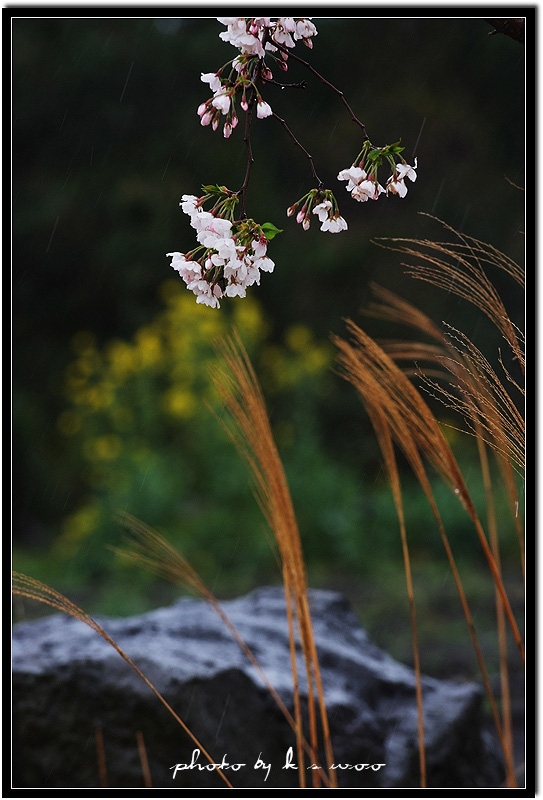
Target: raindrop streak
[(167, 165), (222, 717), (144, 478), (66, 181), (63, 118), (92, 153), (126, 83), (191, 698), (464, 218), (437, 196), (312, 112), (332, 132), (418, 137), (52, 234)]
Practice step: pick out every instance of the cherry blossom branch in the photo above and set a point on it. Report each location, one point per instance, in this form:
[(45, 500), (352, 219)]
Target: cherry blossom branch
[(326, 83), (250, 159), (257, 77), (302, 148), (301, 85), (231, 251)]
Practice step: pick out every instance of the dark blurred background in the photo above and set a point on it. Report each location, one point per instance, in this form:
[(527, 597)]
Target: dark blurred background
[(111, 353)]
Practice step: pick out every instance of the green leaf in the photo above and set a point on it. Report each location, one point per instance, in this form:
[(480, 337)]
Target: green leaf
[(269, 230), (214, 188)]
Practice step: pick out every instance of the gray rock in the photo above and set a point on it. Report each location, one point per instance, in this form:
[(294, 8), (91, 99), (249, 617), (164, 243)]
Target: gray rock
[(68, 682)]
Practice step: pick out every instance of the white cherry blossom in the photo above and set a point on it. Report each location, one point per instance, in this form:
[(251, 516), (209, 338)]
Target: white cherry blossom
[(333, 223), (259, 248), (237, 35), (396, 182), (188, 204), (265, 264), (263, 110), (188, 270), (221, 101), (354, 176), (405, 171), (235, 290), (213, 80), (396, 187), (323, 210), (367, 190), (304, 30)]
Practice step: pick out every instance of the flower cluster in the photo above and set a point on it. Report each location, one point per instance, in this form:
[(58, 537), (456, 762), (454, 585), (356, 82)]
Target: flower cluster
[(253, 37), (231, 254), (359, 185), (396, 182), (364, 185), (220, 103), (327, 211), (225, 92)]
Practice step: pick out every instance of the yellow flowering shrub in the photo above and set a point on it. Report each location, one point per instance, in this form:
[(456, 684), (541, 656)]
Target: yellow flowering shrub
[(137, 414)]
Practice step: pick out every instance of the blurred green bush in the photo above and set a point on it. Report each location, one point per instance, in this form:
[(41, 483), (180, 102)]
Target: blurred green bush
[(142, 425), (139, 424)]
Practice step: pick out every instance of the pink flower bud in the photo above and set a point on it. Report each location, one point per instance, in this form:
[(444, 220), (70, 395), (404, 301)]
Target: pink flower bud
[(291, 210), (306, 223), (300, 215), (215, 123), (227, 130), (207, 117), (244, 104), (234, 121)]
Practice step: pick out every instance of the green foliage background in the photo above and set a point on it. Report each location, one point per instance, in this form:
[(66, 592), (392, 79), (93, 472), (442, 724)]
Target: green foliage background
[(105, 141)]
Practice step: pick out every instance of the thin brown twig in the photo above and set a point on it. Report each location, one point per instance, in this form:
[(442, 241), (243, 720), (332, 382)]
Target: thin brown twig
[(323, 80), (302, 148), (101, 757), (250, 159), (144, 760)]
